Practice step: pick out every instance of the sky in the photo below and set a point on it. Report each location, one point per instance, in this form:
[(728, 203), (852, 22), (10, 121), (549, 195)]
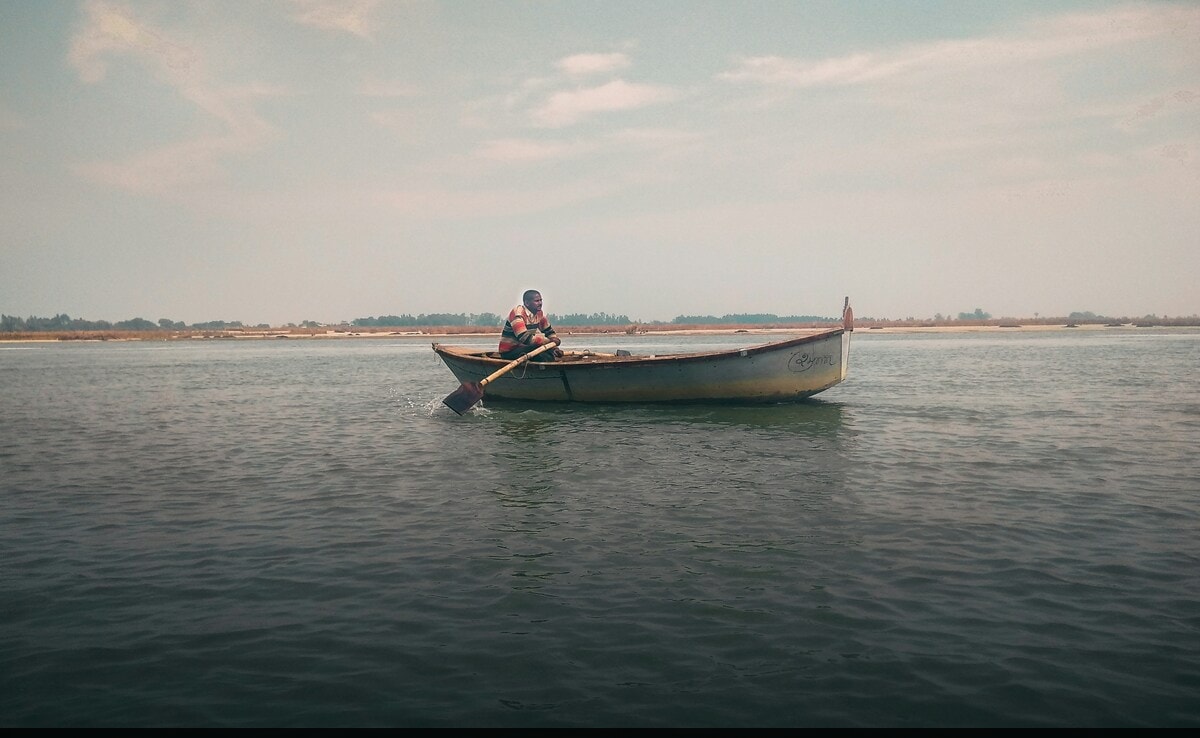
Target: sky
[(290, 160)]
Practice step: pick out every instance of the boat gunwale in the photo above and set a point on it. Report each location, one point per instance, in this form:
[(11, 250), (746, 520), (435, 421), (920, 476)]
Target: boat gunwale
[(480, 357)]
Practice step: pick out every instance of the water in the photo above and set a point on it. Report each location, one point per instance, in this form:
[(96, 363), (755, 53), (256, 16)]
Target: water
[(973, 530)]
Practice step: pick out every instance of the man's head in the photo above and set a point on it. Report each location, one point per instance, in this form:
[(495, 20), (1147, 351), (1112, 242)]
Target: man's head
[(532, 300)]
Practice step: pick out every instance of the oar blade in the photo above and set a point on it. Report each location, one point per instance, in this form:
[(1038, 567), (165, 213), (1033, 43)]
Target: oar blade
[(461, 399)]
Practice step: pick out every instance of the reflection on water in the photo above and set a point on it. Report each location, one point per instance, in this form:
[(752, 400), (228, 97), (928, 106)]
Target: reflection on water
[(808, 416)]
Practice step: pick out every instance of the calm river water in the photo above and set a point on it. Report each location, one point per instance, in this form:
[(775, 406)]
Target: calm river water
[(987, 529)]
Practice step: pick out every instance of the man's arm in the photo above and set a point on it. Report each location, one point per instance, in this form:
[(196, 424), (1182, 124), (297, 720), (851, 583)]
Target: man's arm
[(548, 331)]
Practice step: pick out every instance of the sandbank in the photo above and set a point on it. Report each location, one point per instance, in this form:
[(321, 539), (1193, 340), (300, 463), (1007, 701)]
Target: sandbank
[(577, 334)]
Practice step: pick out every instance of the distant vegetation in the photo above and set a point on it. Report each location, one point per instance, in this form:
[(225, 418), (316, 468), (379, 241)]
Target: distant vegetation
[(749, 319), (63, 322), (977, 315), (582, 319), (482, 320), (455, 319), (465, 322)]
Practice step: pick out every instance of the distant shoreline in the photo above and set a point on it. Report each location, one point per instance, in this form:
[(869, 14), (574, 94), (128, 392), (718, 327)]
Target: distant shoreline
[(444, 332)]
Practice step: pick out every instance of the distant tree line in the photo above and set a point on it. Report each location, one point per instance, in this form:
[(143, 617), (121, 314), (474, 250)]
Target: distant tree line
[(483, 320), (64, 322), (750, 319), (1084, 316), (589, 319), (492, 320), (977, 315), (406, 320)]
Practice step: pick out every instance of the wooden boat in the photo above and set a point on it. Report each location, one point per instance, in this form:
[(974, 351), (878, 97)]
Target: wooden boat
[(781, 371)]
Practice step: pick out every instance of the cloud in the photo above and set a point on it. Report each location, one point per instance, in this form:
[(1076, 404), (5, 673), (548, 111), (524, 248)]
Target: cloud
[(1056, 90), (346, 16), (1158, 107), (781, 71), (513, 150), (407, 123), (562, 99), (659, 141), (580, 65), (432, 203), (11, 122), (642, 141), (568, 107), (164, 168), (113, 31), (1062, 36), (382, 89)]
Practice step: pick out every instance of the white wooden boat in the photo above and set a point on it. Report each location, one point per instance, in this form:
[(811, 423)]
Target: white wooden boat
[(780, 371)]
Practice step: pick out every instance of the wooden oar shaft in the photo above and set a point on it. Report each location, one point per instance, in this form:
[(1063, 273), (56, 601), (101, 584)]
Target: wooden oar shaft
[(514, 363), (461, 399)]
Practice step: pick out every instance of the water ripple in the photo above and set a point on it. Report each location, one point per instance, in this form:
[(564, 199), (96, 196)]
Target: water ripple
[(287, 534)]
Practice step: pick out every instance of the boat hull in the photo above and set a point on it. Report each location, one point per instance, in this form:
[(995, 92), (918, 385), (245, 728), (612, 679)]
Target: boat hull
[(783, 371)]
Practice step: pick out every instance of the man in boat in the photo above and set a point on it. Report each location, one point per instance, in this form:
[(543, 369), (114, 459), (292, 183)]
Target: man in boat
[(528, 328)]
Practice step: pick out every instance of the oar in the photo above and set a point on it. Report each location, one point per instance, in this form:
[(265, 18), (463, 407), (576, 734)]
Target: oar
[(461, 399)]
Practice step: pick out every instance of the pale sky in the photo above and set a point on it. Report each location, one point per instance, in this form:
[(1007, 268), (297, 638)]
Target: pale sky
[(279, 161)]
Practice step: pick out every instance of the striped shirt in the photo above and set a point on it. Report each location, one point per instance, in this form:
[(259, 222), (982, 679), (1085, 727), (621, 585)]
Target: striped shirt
[(525, 328)]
